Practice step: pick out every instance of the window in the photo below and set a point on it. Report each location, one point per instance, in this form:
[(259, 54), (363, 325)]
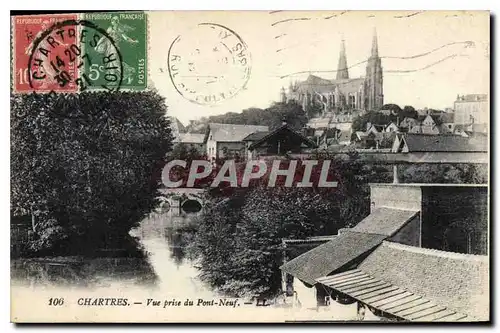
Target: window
[(332, 100), (352, 101)]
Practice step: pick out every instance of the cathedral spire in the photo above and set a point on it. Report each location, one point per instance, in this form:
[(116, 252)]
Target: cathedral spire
[(282, 95), (374, 81), (342, 72), (374, 43)]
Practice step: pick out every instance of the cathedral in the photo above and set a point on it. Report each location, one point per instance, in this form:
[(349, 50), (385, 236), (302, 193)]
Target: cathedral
[(343, 93)]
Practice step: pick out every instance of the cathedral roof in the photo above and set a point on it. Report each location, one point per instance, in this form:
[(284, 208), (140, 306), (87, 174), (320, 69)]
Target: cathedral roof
[(317, 84)]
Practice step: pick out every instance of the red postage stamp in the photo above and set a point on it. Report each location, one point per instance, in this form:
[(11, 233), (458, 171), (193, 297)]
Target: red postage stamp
[(29, 45)]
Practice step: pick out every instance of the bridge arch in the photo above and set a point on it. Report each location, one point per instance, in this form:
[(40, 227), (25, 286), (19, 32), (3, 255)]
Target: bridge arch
[(182, 201)]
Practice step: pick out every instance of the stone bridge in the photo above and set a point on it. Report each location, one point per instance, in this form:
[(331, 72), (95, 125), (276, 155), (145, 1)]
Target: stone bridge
[(181, 201)]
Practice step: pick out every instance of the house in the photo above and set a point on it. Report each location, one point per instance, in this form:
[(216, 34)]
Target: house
[(412, 234), (344, 138), (293, 248), (392, 127), (374, 128), (430, 124), (408, 123), (193, 140), (226, 140), (281, 141), (375, 140), (416, 284), (360, 136), (472, 108), (447, 122)]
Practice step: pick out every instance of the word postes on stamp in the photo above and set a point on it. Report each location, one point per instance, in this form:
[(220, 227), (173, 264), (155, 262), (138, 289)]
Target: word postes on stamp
[(128, 32), (209, 64), (27, 40)]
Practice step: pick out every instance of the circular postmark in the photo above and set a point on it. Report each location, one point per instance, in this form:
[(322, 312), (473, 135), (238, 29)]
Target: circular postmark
[(209, 64), (64, 58)]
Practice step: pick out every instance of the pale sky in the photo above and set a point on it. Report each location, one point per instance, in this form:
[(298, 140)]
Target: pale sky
[(458, 42)]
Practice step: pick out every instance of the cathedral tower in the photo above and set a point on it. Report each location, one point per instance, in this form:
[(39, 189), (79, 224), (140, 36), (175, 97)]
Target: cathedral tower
[(374, 93), (342, 72), (282, 95)]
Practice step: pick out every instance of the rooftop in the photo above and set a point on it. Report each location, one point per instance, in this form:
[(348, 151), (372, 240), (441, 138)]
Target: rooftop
[(444, 143), (255, 136), (331, 256), (458, 281), (191, 137), (384, 221), (419, 284), (292, 135), (321, 85), (232, 132)]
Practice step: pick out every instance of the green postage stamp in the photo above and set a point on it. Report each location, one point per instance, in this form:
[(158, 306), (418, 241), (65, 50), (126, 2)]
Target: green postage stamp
[(128, 31)]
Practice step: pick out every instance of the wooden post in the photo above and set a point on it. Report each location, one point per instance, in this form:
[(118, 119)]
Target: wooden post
[(395, 174), (283, 273), (33, 222)]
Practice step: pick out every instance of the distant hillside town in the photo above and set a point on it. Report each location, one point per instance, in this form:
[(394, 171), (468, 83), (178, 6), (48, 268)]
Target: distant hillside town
[(336, 130), (334, 115)]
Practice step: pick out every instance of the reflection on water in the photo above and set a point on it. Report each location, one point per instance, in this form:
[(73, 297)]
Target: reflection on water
[(179, 241), (160, 261)]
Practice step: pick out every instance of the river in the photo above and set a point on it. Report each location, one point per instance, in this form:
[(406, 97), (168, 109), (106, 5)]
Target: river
[(162, 238), (166, 269)]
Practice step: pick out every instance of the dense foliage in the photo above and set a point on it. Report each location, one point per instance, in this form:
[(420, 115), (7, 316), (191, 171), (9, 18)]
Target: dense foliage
[(239, 237), (86, 166), (272, 116), (238, 242), (380, 118), (444, 173)]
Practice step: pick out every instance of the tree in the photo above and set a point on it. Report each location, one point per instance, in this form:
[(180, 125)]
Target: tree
[(394, 108), (185, 152), (315, 109), (86, 166), (239, 238), (290, 112), (272, 116), (445, 173), (408, 111)]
